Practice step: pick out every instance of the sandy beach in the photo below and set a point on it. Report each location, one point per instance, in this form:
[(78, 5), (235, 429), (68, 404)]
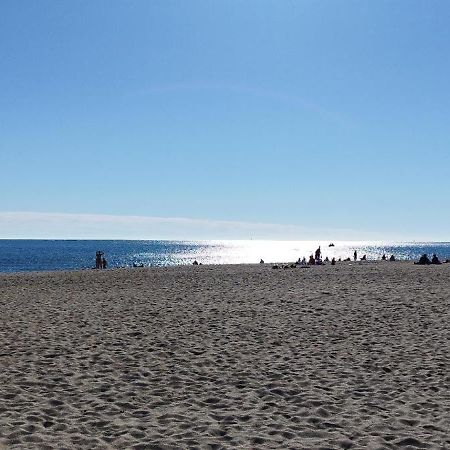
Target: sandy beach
[(352, 356)]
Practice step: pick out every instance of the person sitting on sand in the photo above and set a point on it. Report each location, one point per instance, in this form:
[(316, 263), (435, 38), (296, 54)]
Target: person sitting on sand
[(261, 261), (364, 258), (383, 258), (435, 259), (104, 263), (424, 260), (392, 258), (333, 261), (312, 261), (326, 259), (195, 263)]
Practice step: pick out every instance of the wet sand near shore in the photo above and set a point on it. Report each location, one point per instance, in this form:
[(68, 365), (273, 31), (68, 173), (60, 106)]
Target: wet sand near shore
[(352, 356)]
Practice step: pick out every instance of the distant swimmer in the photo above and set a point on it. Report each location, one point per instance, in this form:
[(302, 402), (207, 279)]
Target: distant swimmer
[(331, 245)]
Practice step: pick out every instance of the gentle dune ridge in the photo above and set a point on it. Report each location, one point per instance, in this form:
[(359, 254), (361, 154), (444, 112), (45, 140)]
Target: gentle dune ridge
[(351, 356)]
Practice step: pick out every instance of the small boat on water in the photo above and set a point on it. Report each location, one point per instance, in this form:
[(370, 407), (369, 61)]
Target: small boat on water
[(331, 245)]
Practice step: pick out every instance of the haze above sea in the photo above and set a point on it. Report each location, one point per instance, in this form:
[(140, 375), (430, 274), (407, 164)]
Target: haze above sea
[(45, 255)]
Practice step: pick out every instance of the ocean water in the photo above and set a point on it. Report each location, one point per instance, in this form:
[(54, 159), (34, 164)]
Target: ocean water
[(41, 255)]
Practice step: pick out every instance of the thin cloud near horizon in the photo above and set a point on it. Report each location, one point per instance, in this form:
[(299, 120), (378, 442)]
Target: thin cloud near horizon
[(51, 225)]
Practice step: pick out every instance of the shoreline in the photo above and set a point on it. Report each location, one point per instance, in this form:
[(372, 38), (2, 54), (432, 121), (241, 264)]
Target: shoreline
[(266, 264), (80, 255)]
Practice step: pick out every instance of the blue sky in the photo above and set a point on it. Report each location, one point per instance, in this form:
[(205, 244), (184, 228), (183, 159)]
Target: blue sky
[(300, 115)]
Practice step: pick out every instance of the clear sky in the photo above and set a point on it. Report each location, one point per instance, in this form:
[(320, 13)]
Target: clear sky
[(303, 116)]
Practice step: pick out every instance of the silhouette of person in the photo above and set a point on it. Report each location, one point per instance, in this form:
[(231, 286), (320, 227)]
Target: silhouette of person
[(333, 261), (318, 253), (261, 261), (435, 259), (104, 263), (355, 255), (424, 260), (311, 261), (383, 257), (98, 259), (392, 258)]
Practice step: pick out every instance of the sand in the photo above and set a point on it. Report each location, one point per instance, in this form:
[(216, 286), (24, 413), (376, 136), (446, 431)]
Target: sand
[(352, 356)]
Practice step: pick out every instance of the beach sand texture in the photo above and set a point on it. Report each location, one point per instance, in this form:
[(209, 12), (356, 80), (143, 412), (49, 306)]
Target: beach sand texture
[(352, 356)]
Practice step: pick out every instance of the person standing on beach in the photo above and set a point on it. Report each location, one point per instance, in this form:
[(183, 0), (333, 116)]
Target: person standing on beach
[(98, 259), (318, 253), (104, 263), (355, 255)]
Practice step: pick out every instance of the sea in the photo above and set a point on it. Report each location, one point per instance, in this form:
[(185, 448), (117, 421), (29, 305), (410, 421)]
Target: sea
[(49, 255)]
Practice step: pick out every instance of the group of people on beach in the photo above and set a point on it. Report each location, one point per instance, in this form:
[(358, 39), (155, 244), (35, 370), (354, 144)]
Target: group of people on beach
[(100, 261), (315, 259), (424, 260)]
